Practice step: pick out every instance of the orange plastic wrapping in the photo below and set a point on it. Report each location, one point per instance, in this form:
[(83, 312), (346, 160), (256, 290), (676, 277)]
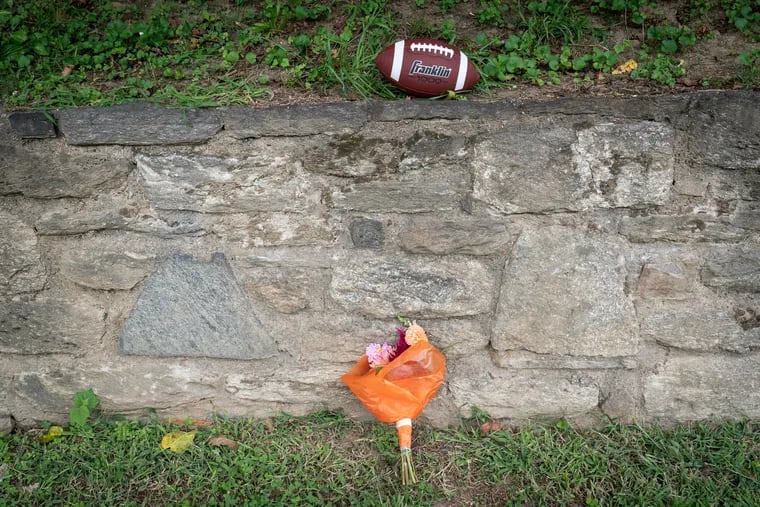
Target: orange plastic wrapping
[(402, 388), (404, 436)]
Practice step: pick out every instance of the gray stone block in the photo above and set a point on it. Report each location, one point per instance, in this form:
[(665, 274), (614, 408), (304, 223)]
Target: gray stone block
[(735, 269), (400, 196), (457, 337), (419, 286), (49, 325), (460, 235), (526, 168), (398, 110), (207, 184), (304, 120), (679, 229), (49, 391), (53, 175), (704, 324), (722, 130), (563, 293), (520, 394), (106, 270), (286, 289), (32, 125), (125, 385), (522, 360), (747, 215), (137, 124), (693, 387), (193, 308), (115, 213), (667, 279), (662, 108), (272, 229), (367, 233), (629, 164), (20, 267), (6, 425), (352, 156)]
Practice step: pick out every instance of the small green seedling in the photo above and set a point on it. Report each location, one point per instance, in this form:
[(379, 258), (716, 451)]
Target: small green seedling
[(84, 403)]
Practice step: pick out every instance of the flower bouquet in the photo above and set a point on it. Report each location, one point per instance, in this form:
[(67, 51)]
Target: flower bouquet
[(395, 382)]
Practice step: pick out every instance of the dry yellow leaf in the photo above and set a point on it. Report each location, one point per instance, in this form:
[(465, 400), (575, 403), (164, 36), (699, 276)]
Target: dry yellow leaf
[(178, 441), (53, 433), (625, 67)]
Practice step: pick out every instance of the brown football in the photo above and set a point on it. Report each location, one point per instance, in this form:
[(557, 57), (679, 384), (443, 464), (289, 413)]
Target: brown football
[(426, 67)]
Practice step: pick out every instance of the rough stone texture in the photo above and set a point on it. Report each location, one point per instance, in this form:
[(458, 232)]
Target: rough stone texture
[(668, 279), (465, 235), (576, 257), (20, 267), (353, 156), (529, 360), (109, 214), (379, 196), (116, 270), (698, 324), (222, 185), (286, 289), (734, 269), (520, 394), (6, 423), (457, 337), (703, 386), (137, 124), (430, 148), (50, 325), (563, 292), (192, 308), (569, 168), (309, 386), (516, 180), (148, 384), (747, 214), (367, 233), (272, 229), (31, 125), (338, 118), (384, 111), (680, 229), (54, 175), (424, 287), (626, 164), (722, 131)]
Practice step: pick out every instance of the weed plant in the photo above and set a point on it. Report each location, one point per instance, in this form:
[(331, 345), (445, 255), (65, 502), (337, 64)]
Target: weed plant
[(328, 459)]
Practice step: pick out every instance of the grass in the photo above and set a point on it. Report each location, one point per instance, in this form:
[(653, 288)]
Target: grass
[(326, 458), (199, 53)]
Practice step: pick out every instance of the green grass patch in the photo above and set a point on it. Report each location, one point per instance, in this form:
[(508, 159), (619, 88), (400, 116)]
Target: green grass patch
[(199, 53), (327, 459)]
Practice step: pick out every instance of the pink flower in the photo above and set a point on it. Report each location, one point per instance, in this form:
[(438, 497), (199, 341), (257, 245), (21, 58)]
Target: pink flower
[(379, 355)]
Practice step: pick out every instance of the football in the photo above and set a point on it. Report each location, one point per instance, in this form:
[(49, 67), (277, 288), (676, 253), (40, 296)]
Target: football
[(426, 67)]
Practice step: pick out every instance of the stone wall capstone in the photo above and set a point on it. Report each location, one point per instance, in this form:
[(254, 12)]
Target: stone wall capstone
[(580, 258)]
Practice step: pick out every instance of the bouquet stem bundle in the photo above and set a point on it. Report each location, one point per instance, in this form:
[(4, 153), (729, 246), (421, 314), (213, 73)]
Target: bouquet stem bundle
[(404, 428), (395, 384)]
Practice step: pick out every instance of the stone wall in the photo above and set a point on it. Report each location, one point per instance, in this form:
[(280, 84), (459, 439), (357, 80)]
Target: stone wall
[(579, 258)]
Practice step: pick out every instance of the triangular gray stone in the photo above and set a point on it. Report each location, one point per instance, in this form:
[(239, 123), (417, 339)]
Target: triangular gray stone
[(194, 308)]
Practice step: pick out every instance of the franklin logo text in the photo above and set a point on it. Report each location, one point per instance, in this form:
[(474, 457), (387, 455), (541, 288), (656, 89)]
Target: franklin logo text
[(418, 69)]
